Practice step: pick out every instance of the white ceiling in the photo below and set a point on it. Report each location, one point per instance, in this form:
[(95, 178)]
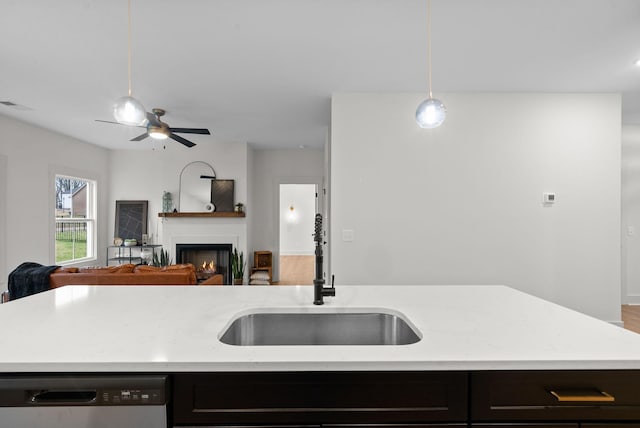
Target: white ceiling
[(263, 71)]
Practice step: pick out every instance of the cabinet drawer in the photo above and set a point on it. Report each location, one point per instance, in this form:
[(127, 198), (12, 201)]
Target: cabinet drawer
[(320, 397), (555, 396)]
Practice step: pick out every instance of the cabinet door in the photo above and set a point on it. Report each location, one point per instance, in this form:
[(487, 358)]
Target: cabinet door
[(244, 426), (611, 425), (319, 398), (461, 425), (555, 396)]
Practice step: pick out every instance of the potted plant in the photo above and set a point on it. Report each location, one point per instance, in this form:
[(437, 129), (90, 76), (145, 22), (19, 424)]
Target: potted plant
[(237, 266), (162, 259)]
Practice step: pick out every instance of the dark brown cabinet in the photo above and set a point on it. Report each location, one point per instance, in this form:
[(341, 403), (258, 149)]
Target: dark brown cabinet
[(310, 398), (486, 399), (610, 425), (525, 425), (577, 396), (461, 425)]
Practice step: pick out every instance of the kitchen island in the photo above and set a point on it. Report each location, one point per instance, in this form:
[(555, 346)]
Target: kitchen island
[(152, 329), (486, 355)]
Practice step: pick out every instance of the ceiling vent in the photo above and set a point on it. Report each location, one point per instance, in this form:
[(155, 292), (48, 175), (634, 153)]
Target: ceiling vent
[(15, 106)]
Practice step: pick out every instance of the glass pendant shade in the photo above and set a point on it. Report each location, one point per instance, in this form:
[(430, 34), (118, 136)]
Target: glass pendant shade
[(431, 113), (129, 111)]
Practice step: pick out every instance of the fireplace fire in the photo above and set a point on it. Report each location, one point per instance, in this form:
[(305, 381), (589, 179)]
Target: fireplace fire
[(206, 270), (209, 267), (208, 259)]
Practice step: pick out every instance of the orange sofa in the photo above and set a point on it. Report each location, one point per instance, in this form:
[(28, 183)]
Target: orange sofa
[(129, 274)]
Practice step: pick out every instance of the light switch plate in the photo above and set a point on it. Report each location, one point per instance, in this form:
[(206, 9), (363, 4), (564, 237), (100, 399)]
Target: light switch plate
[(348, 235)]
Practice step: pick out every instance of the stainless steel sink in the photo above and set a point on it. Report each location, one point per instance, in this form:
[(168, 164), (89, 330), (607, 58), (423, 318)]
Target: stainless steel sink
[(320, 328)]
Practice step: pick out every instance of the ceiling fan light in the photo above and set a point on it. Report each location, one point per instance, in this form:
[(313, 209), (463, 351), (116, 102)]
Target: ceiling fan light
[(129, 111), (431, 113), (158, 133)]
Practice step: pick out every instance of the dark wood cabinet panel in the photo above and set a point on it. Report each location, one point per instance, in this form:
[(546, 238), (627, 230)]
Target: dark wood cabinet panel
[(610, 425), (320, 397), (252, 426), (487, 399), (526, 425), (555, 396), (460, 425)]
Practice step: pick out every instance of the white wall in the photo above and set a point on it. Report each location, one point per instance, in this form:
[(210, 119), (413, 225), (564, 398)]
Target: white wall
[(631, 214), (461, 204), (297, 226), (270, 169), (145, 175), (33, 154)]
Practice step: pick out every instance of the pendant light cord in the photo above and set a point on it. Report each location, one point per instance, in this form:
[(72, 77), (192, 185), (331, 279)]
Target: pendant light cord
[(429, 45), (129, 42)]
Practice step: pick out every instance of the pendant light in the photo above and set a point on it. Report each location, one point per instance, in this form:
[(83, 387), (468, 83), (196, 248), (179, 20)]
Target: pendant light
[(127, 110), (431, 112)]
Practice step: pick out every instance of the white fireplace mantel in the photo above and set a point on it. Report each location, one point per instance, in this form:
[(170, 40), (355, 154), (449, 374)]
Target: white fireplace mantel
[(202, 230)]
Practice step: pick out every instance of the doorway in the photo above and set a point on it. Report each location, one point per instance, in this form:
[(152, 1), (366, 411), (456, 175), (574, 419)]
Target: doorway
[(298, 207)]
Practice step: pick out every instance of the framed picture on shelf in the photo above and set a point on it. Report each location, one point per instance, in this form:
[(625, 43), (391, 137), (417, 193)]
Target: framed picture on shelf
[(131, 219)]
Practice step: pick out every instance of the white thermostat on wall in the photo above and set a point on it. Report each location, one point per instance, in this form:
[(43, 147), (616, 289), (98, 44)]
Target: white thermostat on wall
[(548, 198)]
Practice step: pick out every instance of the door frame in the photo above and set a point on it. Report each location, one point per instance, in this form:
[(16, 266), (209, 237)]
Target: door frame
[(277, 181), (3, 222)]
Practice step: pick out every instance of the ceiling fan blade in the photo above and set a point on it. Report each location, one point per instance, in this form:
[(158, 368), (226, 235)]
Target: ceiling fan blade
[(140, 137), (118, 123), (152, 119), (181, 140), (191, 130)]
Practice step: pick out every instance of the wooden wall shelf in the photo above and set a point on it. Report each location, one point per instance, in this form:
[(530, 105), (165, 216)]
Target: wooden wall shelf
[(203, 214)]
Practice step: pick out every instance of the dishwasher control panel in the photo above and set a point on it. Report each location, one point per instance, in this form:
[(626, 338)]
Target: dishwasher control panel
[(82, 390), (119, 397)]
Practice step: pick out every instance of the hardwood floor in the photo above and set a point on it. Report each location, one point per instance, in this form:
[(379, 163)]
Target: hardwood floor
[(631, 317), (296, 270)]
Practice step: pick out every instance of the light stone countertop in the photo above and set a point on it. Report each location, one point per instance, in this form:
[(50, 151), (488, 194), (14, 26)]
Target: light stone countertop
[(176, 329)]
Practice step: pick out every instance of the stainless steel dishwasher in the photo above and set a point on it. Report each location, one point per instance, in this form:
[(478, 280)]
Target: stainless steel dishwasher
[(74, 401)]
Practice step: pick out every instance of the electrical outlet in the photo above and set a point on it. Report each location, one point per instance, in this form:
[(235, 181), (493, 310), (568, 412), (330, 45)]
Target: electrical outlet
[(548, 198)]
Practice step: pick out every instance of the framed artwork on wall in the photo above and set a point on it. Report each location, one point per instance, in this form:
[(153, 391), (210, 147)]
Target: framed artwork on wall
[(222, 195), (131, 219)]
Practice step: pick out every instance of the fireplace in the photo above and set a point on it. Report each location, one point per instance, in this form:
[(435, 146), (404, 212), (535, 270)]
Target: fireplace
[(209, 259)]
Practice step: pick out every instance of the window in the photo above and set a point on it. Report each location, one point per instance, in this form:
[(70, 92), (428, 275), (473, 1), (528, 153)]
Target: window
[(75, 219)]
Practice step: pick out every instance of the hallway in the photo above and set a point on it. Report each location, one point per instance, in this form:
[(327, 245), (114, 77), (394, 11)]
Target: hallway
[(296, 270)]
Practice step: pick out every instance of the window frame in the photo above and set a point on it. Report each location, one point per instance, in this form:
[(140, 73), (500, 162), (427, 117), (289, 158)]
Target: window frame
[(91, 218)]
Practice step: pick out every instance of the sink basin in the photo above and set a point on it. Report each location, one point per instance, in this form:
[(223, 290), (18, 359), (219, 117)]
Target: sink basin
[(361, 327)]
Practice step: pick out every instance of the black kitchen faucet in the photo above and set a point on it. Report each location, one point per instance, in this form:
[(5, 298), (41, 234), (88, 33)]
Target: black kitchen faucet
[(319, 290)]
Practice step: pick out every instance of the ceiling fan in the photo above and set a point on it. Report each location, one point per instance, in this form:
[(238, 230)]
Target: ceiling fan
[(159, 130)]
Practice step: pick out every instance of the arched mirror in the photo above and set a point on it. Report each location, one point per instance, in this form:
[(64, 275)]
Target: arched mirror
[(194, 191)]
